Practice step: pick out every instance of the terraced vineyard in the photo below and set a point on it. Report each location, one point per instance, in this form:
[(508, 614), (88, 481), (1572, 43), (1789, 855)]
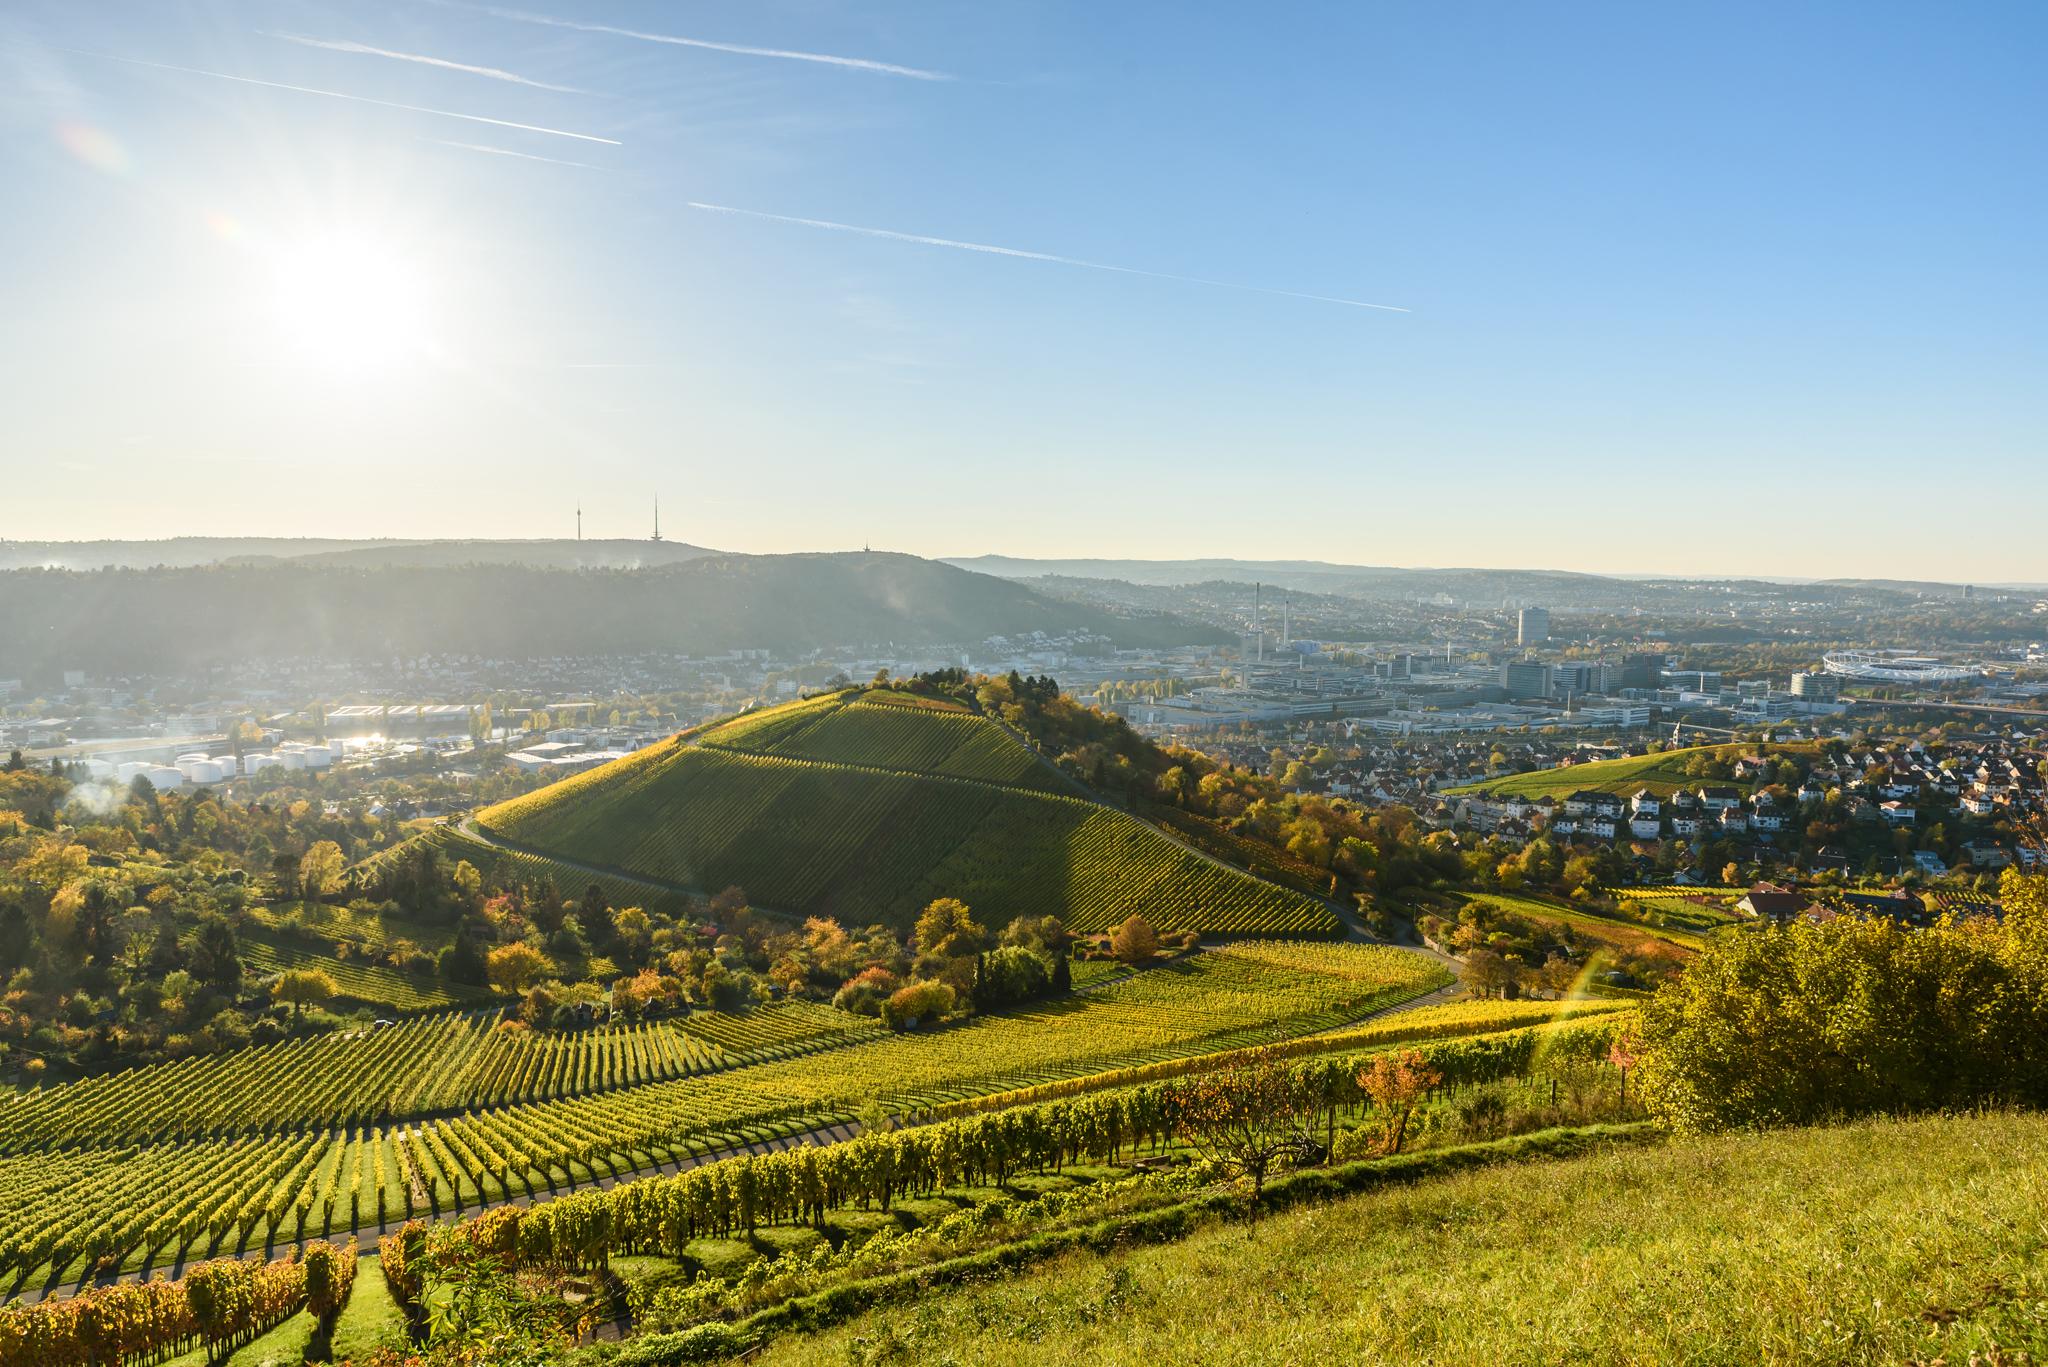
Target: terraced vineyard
[(422, 1067), (370, 984), (865, 809), (886, 730), (291, 1141)]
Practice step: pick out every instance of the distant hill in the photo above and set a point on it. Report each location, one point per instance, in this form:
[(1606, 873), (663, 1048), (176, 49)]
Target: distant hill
[(867, 805), (613, 554), (177, 552), (160, 620), (184, 552), (1308, 576)]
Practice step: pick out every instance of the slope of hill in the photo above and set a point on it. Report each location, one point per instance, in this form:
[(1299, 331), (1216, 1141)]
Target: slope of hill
[(1919, 1241), (122, 621), (1662, 774), (867, 805)]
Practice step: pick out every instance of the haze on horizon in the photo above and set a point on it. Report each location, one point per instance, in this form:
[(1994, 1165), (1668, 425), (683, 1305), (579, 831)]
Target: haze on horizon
[(1751, 292)]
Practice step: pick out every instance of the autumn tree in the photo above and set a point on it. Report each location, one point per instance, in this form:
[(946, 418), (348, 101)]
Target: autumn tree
[(1394, 1083), (1487, 973), (947, 930), (320, 869), (1251, 1117), (1135, 942), (303, 987), (516, 967)]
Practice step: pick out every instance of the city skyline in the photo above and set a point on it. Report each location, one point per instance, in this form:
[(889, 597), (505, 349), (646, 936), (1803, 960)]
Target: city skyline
[(1371, 286)]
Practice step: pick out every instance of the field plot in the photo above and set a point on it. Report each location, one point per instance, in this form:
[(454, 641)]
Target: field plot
[(1655, 941), (891, 731), (1662, 774), (432, 1064), (1699, 910), (368, 984), (290, 1141)]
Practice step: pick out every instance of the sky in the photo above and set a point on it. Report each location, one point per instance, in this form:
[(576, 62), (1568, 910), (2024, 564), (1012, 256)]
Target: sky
[(1743, 288)]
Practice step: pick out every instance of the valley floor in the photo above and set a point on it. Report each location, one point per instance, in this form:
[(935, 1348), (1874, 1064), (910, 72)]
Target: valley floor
[(1917, 1241)]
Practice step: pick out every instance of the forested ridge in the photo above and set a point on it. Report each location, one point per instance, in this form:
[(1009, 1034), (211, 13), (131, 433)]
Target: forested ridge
[(180, 618)]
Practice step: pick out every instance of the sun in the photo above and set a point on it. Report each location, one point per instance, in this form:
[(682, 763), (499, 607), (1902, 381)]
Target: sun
[(351, 302)]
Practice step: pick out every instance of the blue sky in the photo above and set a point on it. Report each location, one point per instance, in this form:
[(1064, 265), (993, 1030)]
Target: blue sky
[(1748, 288)]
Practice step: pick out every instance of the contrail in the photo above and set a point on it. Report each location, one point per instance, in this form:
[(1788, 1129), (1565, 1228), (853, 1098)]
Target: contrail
[(785, 54), (495, 73), (338, 95), (923, 241), (508, 152)]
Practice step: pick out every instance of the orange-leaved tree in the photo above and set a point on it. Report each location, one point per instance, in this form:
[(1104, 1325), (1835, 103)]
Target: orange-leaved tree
[(1250, 1117), (1394, 1082)]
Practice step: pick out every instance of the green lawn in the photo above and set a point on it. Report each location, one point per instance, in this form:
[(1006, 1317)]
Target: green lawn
[(1879, 1242), (371, 1319), (1608, 928), (284, 1346)]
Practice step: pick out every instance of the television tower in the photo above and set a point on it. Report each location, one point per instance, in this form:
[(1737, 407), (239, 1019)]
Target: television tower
[(579, 521), (657, 517), (1258, 626)]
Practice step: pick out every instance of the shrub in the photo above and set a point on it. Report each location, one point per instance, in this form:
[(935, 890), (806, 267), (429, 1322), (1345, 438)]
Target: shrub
[(921, 1001)]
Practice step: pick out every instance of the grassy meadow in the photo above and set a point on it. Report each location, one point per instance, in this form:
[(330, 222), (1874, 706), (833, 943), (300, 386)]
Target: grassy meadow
[(1663, 774), (1876, 1242)]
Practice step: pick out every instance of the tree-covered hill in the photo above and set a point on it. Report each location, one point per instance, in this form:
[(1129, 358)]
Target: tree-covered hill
[(126, 620)]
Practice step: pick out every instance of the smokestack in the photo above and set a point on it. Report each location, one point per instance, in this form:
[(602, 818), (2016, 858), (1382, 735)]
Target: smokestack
[(1258, 628), (1286, 619)]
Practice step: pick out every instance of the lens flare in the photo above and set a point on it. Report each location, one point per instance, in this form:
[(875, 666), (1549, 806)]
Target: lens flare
[(226, 227), (95, 147)]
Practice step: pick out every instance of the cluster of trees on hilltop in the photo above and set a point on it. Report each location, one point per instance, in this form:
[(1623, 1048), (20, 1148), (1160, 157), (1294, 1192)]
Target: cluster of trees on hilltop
[(1320, 845)]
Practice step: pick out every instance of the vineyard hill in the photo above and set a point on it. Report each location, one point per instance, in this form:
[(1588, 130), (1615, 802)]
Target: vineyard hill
[(866, 805)]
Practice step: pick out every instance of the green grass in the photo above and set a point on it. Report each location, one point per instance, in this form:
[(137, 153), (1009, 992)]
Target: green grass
[(370, 984), (866, 811), (284, 1346), (1612, 930), (1883, 1241), (1662, 774), (371, 1319), (331, 923)]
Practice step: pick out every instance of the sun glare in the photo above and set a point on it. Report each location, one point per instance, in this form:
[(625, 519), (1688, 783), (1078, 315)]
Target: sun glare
[(351, 302)]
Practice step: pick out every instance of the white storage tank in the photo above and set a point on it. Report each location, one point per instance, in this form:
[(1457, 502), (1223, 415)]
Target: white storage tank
[(257, 763), (98, 769), (164, 778), (125, 772), (292, 759), (202, 770)]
